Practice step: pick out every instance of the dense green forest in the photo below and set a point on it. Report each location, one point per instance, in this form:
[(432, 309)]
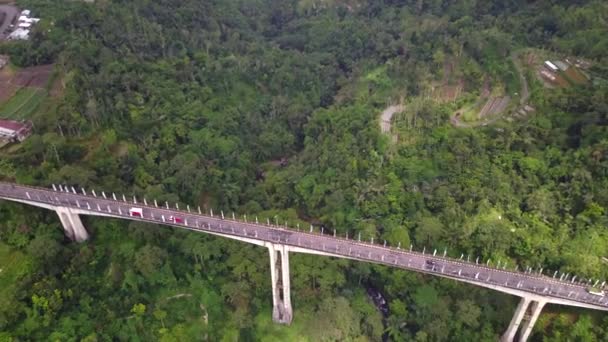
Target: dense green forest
[(271, 107)]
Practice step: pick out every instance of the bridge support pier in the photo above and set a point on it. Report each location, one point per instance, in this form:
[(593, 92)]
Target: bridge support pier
[(521, 314), (526, 328), (72, 225), (509, 335), (279, 273)]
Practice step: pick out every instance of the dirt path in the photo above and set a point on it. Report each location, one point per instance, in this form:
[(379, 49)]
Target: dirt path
[(387, 117), (525, 92)]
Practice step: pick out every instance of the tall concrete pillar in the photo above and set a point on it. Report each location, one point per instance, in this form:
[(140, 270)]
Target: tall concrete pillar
[(516, 320), (282, 311), (72, 225), (286, 284), (526, 328)]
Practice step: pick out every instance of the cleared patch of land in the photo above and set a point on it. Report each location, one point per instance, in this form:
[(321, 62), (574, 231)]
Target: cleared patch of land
[(451, 85), (23, 104), (575, 76), (22, 91), (571, 72), (387, 116), (494, 105), (37, 77), (488, 109), (7, 89)]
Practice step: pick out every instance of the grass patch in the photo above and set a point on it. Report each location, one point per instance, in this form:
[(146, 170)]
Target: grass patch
[(13, 263), (13, 266), (512, 81), (470, 114), (267, 331), (23, 104)]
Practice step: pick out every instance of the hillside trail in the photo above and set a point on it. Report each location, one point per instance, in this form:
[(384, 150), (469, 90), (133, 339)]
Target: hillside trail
[(525, 92), (387, 117)]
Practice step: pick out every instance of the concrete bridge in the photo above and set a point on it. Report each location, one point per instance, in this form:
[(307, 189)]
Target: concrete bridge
[(534, 288)]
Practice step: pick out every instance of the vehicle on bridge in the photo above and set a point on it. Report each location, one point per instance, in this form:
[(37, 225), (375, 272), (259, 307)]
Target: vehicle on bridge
[(431, 264), (175, 219), (136, 212), (596, 291)]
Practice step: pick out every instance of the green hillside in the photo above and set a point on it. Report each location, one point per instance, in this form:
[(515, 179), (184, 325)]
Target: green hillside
[(271, 108)]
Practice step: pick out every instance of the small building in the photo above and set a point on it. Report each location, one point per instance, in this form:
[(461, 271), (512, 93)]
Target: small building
[(19, 34), (551, 66), (561, 65), (24, 25), (15, 130), (24, 19)]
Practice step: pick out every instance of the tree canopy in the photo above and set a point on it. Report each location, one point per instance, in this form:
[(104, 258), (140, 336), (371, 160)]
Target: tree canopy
[(271, 108)]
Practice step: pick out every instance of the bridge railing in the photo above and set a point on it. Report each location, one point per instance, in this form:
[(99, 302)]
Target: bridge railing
[(384, 248), (87, 195)]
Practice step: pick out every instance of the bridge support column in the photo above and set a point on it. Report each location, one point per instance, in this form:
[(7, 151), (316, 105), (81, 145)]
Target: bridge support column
[(279, 273), (516, 320), (529, 319), (72, 225), (526, 328)]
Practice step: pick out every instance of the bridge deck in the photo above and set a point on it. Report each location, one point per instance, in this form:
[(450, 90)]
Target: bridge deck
[(552, 290)]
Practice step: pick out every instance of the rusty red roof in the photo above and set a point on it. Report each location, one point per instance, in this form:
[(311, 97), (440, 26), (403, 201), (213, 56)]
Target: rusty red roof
[(13, 125)]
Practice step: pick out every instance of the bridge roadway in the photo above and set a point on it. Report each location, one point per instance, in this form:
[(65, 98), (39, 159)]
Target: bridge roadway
[(529, 285)]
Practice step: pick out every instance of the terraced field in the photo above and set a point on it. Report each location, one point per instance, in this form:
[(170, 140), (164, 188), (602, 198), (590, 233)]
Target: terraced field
[(488, 109), (23, 90), (23, 104), (494, 105)]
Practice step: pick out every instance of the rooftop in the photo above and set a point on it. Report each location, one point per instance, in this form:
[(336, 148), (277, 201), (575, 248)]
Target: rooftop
[(12, 125), (19, 34), (563, 66)]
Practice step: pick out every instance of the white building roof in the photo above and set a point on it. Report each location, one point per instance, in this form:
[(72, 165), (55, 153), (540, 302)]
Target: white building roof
[(563, 66), (20, 34), (25, 25), (26, 12), (5, 132), (551, 65)]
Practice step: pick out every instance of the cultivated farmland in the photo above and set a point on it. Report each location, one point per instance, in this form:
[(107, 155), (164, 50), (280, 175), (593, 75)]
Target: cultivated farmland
[(22, 91), (23, 104)]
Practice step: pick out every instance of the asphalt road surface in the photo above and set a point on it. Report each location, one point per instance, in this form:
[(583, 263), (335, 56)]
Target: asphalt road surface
[(552, 289), (11, 12)]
